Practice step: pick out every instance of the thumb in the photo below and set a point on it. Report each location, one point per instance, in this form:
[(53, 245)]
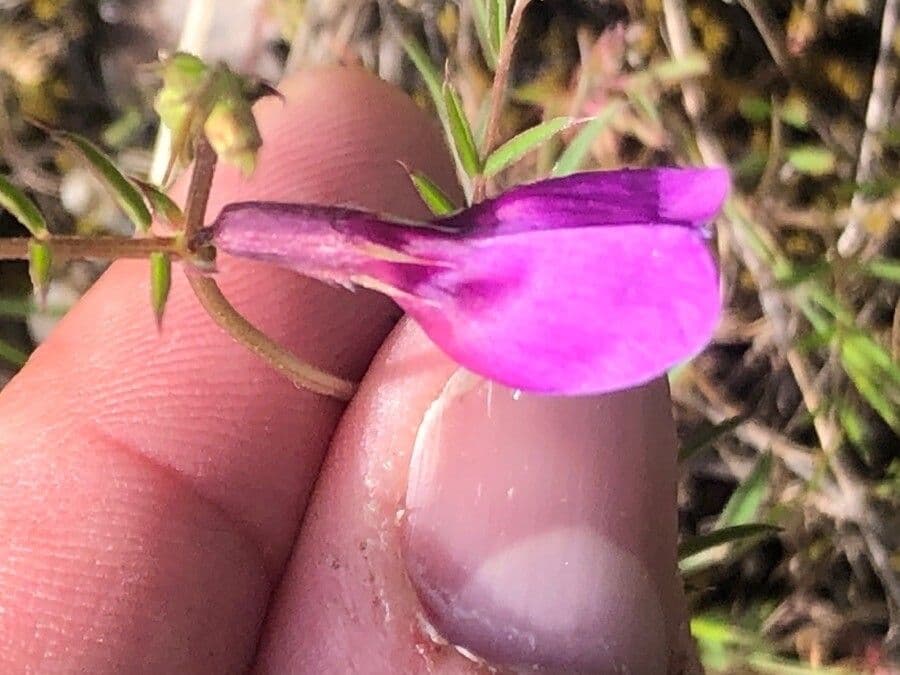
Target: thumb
[(528, 531)]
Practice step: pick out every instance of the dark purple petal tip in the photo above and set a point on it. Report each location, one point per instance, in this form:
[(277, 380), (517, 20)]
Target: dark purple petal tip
[(585, 284)]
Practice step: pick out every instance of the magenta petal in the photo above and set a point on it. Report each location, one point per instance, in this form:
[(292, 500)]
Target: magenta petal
[(590, 283), (574, 311), (690, 197)]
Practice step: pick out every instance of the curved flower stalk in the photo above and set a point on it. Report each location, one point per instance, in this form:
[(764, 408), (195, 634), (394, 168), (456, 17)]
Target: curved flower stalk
[(590, 283)]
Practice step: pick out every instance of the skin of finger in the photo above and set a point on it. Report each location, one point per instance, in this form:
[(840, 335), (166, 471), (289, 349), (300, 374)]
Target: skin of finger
[(346, 583), (345, 601), (152, 484)]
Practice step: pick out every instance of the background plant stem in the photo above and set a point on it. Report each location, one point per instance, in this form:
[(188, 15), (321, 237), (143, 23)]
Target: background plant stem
[(498, 90)]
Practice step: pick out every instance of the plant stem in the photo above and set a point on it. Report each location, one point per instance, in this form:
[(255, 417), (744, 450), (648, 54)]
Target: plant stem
[(223, 312), (228, 318), (498, 90), (105, 248), (198, 192)]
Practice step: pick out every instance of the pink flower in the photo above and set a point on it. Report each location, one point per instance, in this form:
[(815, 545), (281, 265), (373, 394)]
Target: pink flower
[(590, 283)]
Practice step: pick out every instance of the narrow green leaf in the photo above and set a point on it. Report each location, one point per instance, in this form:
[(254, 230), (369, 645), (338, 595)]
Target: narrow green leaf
[(22, 208), (40, 262), (706, 437), (876, 354), (160, 283), (884, 268), (161, 204), (702, 542), (461, 132), (435, 198), (812, 160), (575, 154), (518, 146), (482, 16), (874, 374), (870, 390), (127, 196), (499, 17), (430, 75), (743, 505), (12, 355), (857, 431)]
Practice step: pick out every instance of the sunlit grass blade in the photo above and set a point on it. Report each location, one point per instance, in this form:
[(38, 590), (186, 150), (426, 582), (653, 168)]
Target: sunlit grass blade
[(706, 437), (12, 355), (576, 153), (435, 198), (486, 35), (22, 208), (499, 16), (126, 195), (430, 74), (726, 535), (874, 374), (857, 430), (884, 268), (742, 509), (461, 132), (161, 204), (521, 144), (160, 284), (744, 504)]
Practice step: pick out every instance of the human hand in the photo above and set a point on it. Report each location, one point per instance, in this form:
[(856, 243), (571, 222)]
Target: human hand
[(168, 503)]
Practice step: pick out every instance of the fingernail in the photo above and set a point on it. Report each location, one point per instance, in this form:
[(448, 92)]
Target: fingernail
[(540, 532)]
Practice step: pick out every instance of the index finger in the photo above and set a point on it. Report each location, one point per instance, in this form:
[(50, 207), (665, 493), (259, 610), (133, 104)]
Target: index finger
[(152, 484)]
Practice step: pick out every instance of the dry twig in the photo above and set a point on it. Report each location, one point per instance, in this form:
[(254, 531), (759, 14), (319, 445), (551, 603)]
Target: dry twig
[(878, 114)]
